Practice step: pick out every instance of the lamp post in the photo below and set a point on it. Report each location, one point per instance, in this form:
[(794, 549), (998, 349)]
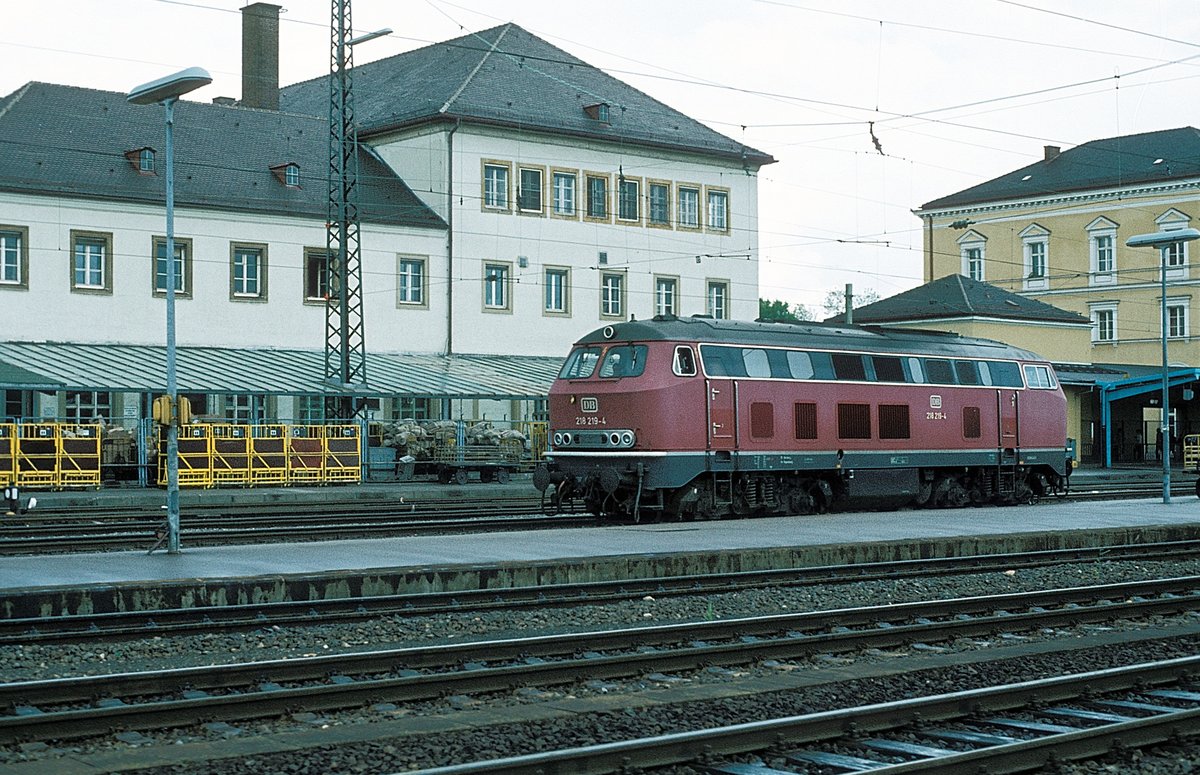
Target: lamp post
[(1163, 240), (166, 91)]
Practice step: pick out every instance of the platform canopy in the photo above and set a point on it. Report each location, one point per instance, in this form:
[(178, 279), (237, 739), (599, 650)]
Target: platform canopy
[(53, 366)]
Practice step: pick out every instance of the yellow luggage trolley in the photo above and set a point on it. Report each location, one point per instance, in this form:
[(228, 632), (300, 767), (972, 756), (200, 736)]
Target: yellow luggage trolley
[(195, 455), (1191, 456), (268, 454), (37, 455), (306, 454), (343, 453), (231, 454), (79, 455), (8, 453)]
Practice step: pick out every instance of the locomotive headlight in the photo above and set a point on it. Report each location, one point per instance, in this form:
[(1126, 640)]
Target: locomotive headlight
[(558, 439), (615, 439), (566, 439), (627, 439)]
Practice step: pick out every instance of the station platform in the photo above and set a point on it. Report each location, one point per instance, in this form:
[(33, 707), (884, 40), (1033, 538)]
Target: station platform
[(221, 575)]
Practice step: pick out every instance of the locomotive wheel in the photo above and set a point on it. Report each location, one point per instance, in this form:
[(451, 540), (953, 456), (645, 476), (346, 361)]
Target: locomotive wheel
[(460, 476), (502, 476)]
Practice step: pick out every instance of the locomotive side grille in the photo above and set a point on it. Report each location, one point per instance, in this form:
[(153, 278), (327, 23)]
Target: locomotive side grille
[(971, 424), (854, 421), (762, 420), (893, 421), (806, 421)]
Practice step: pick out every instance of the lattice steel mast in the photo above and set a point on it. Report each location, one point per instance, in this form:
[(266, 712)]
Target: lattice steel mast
[(345, 345)]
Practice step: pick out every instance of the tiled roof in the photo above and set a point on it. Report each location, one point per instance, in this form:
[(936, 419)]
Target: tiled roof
[(956, 296), (65, 140), (507, 76), (1150, 157)]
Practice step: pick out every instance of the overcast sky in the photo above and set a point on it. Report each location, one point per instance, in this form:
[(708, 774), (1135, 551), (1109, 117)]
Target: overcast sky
[(959, 90)]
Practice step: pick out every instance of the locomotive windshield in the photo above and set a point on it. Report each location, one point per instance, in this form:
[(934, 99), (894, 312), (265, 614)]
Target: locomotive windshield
[(624, 361), (581, 363)]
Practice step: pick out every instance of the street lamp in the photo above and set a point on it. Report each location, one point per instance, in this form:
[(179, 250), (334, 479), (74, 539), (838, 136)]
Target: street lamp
[(166, 91), (1163, 240)]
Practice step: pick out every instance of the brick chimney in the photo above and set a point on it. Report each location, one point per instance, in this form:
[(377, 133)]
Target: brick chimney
[(260, 56), (1051, 152)]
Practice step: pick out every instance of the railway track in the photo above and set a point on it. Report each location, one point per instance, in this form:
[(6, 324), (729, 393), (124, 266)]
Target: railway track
[(1011, 728), (162, 622), (106, 528), (61, 709)]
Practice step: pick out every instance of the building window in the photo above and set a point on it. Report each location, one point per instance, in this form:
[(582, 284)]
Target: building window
[(496, 278), (660, 204), (971, 255), (665, 291), (1177, 318), (564, 194), (597, 197), (310, 409), (91, 270), (291, 176), (495, 186), (316, 275), (412, 408), (245, 409), (86, 406), (1102, 251), (557, 294), (1176, 255), (183, 266), (629, 200), (718, 210), (612, 295), (1036, 241), (529, 191), (1104, 322), (14, 257), (248, 272), (689, 207), (718, 299), (146, 160), (410, 281)]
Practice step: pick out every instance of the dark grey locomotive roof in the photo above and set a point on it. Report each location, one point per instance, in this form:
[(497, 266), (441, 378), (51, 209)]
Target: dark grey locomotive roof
[(807, 335)]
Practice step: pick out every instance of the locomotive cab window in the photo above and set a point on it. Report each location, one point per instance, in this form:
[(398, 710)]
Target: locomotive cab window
[(887, 368), (685, 362), (939, 371), (967, 371), (623, 361), (756, 362), (581, 363), (1039, 377)]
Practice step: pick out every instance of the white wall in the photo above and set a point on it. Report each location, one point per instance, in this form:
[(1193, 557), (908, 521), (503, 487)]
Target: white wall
[(641, 251), (132, 314)]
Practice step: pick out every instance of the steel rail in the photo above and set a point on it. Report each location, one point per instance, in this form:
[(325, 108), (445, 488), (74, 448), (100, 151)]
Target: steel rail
[(773, 734), (498, 665), (160, 622)]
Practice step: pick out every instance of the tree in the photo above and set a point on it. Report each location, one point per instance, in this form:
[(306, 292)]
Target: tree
[(778, 310), (835, 300)]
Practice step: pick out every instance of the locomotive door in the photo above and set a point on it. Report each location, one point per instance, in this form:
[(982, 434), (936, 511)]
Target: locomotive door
[(722, 413), (1008, 413)]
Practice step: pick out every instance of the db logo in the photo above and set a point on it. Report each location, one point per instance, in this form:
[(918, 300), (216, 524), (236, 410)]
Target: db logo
[(935, 402), (589, 405)]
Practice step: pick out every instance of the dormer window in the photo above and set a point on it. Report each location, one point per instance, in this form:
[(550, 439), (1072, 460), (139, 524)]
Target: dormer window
[(597, 111), (142, 160), (287, 174)]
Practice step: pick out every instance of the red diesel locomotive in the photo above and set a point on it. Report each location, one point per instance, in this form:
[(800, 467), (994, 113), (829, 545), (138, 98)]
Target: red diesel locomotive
[(684, 418)]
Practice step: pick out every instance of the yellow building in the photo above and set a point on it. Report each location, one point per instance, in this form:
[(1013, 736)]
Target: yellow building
[(1055, 231)]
